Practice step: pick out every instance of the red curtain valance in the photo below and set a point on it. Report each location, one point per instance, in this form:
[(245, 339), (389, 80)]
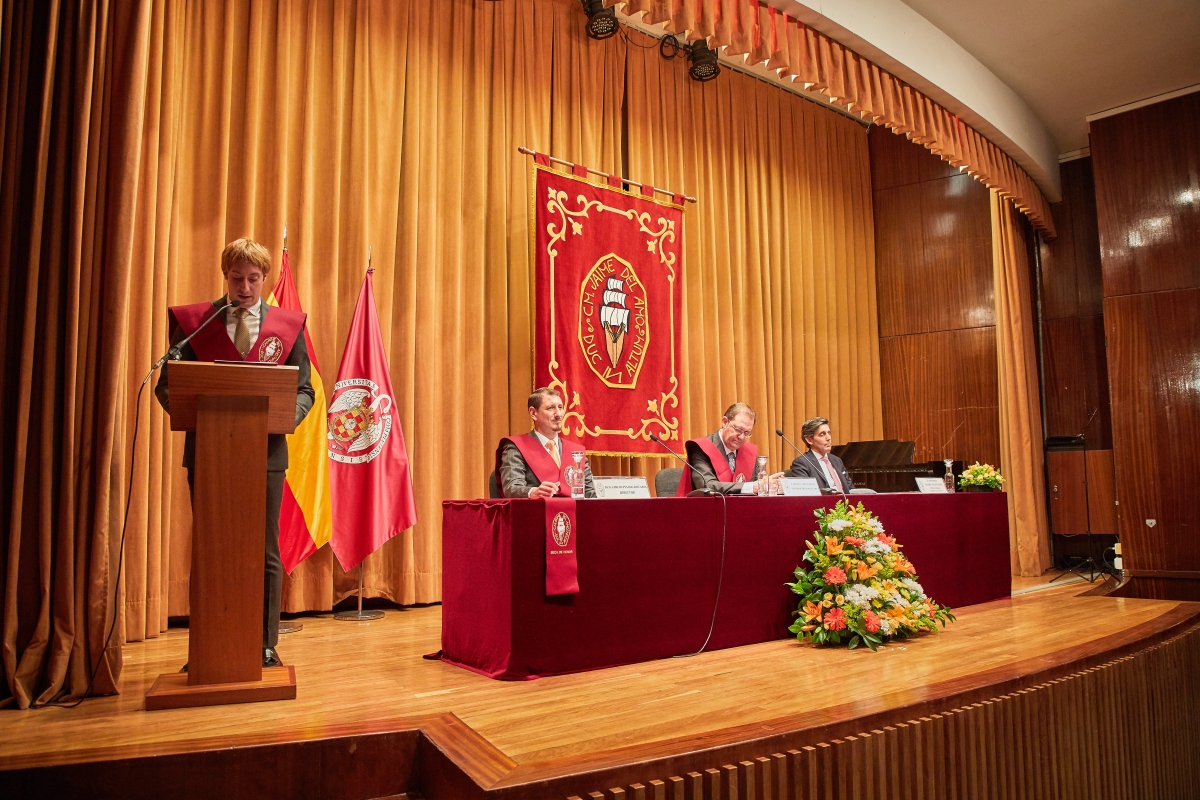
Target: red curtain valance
[(767, 35)]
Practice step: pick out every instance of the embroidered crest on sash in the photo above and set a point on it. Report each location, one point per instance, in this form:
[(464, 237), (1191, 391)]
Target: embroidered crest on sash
[(560, 529), (270, 349), (739, 478)]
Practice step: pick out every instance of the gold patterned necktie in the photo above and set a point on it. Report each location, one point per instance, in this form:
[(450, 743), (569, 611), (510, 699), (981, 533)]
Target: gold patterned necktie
[(550, 448), (241, 333)]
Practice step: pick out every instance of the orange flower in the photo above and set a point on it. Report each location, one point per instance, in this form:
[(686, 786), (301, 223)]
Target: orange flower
[(904, 565), (871, 622), (888, 540), (832, 545), (835, 576), (854, 541), (866, 571), (812, 611), (835, 620)]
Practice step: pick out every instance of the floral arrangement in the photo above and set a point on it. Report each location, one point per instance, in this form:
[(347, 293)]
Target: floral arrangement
[(981, 475), (860, 587)]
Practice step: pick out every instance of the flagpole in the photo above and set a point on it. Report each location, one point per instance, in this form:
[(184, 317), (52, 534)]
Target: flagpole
[(361, 615)]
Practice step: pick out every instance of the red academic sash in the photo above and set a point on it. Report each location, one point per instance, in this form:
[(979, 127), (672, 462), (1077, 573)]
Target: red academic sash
[(539, 460), (279, 330), (562, 567), (747, 454)]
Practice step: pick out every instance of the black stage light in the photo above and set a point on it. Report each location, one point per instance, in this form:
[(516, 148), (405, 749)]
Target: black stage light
[(704, 61), (602, 22)]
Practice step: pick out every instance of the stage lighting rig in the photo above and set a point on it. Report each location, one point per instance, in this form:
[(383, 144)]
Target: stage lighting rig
[(704, 61), (602, 22)]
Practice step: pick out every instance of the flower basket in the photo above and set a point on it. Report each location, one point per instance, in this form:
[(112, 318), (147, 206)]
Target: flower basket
[(980, 478), (859, 589)]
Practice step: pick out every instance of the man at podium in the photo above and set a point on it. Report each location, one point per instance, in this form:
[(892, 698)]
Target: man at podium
[(534, 464), (254, 332), (724, 462)]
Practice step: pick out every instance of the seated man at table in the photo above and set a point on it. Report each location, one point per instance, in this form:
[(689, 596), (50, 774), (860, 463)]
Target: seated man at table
[(722, 461), (534, 464), (818, 462)]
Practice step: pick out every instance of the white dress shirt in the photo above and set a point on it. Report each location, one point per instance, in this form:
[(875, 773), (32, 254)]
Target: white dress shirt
[(253, 322)]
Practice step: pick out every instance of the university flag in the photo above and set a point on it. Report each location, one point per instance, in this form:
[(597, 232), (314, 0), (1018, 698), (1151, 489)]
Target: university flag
[(609, 286), (305, 518), (372, 489)]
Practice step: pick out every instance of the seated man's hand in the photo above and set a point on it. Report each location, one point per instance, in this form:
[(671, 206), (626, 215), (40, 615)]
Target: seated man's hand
[(776, 486), (545, 490)]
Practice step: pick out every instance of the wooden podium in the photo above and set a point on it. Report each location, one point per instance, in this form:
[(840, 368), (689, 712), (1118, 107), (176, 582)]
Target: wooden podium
[(232, 408)]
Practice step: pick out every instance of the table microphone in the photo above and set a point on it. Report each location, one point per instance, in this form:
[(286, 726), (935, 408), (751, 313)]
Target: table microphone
[(789, 441), (682, 460), (173, 353)]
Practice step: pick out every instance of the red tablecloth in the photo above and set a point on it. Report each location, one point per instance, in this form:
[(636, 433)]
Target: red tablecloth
[(649, 569)]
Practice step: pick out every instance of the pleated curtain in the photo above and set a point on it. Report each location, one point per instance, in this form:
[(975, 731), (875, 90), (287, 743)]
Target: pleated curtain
[(1021, 438), (141, 136), (763, 34)]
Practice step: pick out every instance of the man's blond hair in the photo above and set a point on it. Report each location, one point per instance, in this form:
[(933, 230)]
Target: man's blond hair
[(248, 251)]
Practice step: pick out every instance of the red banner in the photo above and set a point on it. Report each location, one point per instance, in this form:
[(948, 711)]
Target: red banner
[(562, 567), (609, 278)]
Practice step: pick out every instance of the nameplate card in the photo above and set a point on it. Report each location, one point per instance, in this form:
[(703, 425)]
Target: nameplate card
[(931, 486), (799, 487), (621, 488)]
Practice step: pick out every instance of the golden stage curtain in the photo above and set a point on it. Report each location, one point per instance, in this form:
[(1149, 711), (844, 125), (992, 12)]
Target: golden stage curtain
[(1020, 404), (140, 136), (768, 36)]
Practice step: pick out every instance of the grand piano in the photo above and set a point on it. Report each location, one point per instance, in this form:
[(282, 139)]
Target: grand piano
[(886, 465)]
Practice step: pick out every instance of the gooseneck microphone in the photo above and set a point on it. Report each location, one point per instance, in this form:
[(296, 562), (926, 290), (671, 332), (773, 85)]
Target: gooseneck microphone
[(682, 460), (779, 431), (175, 351)]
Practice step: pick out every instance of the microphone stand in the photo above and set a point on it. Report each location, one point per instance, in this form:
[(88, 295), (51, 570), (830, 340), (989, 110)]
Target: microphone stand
[(779, 431), (176, 350), (682, 460)]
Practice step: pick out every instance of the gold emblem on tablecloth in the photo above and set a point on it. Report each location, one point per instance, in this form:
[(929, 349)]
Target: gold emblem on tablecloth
[(560, 529)]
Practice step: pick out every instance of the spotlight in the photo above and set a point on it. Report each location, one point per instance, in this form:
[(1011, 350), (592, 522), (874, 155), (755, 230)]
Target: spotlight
[(602, 22), (704, 61)]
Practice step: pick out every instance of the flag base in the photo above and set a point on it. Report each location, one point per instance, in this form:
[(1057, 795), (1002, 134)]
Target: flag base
[(358, 615)]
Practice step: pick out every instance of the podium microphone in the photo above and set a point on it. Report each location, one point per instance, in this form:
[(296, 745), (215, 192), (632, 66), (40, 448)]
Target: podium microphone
[(682, 460), (173, 353)]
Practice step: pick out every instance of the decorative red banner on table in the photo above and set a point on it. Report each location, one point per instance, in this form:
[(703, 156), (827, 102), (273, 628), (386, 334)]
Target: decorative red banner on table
[(609, 280), (562, 567)]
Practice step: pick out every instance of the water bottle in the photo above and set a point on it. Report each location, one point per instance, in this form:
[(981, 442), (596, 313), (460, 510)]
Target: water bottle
[(949, 479), (575, 475), (764, 485)]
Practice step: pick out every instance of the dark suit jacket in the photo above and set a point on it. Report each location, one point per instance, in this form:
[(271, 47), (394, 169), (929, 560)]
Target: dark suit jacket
[(703, 474), (809, 466), (277, 451), (516, 478)]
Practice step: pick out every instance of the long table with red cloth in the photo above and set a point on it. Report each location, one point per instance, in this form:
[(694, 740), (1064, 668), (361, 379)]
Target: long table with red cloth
[(649, 572)]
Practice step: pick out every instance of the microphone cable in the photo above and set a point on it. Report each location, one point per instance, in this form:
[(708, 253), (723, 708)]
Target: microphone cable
[(720, 578)]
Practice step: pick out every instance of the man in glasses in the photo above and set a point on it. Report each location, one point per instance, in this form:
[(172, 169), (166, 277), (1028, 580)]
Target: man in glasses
[(724, 462)]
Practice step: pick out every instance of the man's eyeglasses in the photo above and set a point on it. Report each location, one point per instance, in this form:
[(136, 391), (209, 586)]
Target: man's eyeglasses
[(742, 432)]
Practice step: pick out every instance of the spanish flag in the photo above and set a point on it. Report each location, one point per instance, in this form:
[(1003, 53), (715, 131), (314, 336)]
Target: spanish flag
[(305, 519)]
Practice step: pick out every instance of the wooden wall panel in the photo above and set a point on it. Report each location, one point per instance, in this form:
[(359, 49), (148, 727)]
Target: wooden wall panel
[(1154, 376), (1068, 512), (1102, 491), (1147, 164), (1076, 380), (1071, 276), (940, 390), (933, 269)]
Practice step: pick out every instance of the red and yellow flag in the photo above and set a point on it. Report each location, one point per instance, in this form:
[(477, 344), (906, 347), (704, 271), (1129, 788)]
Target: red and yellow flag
[(305, 519)]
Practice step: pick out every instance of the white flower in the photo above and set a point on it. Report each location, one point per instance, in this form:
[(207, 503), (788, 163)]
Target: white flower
[(840, 525), (913, 586), (875, 547), (875, 525), (897, 599), (861, 595), (885, 626)]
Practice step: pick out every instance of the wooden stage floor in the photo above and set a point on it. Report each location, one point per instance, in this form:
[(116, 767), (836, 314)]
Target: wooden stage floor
[(372, 672)]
